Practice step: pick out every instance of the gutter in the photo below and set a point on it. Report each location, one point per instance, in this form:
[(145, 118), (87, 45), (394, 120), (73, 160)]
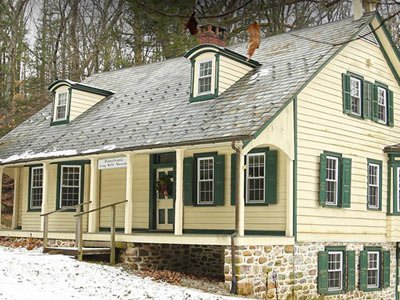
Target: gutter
[(234, 279)]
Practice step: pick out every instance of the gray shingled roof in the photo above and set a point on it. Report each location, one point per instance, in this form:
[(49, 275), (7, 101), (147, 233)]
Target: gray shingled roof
[(151, 105)]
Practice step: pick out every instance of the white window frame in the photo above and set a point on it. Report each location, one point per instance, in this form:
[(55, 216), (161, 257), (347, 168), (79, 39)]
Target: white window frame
[(199, 159), (200, 77), (374, 185), (61, 183), (35, 187), (335, 180), (334, 289), (248, 201), (377, 269), (354, 79), (383, 121), (56, 105)]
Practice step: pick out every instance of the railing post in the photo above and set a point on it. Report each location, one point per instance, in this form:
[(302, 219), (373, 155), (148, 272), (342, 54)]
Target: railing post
[(45, 231), (79, 234), (112, 237)]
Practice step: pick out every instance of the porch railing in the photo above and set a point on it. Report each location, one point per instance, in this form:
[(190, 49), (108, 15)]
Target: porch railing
[(77, 208), (79, 232)]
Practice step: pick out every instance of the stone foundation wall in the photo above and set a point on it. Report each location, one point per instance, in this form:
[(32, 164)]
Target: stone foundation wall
[(200, 260), (297, 271)]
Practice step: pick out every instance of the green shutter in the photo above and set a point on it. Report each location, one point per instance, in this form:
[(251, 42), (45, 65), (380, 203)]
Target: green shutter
[(346, 93), (322, 179), (374, 102), (386, 269), (219, 179), (346, 182), (188, 181), (367, 94), (390, 108), (363, 270), (271, 177), (351, 270), (322, 272), (233, 179)]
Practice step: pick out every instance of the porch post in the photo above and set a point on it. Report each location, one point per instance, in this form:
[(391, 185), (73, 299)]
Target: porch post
[(1, 189), (179, 192), (289, 198), (17, 173), (129, 193), (241, 195), (45, 190), (94, 195)]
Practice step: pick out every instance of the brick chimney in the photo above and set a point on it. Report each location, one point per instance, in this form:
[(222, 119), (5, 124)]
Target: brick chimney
[(210, 34)]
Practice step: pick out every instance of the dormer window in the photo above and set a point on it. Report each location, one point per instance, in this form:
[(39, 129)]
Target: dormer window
[(205, 77), (61, 106)]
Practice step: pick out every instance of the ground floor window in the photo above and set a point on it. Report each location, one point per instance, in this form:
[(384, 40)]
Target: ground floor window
[(36, 187), (335, 270), (70, 185), (373, 269)]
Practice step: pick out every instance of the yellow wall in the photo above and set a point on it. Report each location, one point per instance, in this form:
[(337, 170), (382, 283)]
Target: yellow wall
[(62, 221), (322, 125)]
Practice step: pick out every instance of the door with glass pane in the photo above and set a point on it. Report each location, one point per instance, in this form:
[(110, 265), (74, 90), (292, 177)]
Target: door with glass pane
[(165, 198)]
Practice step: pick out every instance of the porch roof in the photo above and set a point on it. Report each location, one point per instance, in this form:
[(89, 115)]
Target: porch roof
[(150, 107)]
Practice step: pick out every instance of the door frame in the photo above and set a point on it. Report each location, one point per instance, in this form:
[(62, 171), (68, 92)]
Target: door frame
[(154, 165)]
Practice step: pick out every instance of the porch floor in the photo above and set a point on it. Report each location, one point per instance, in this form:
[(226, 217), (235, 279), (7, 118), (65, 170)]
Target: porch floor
[(157, 238)]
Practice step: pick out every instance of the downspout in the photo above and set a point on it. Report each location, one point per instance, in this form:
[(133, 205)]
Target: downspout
[(234, 279)]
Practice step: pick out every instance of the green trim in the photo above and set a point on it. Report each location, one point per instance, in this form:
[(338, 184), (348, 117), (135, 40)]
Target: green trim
[(82, 184), (295, 170), (196, 156), (381, 84), (192, 78), (205, 154), (379, 163), (36, 209), (335, 248), (394, 47), (59, 122), (33, 165), (385, 55), (72, 162), (355, 75), (80, 87), (339, 155), (216, 87), (372, 248), (203, 98), (108, 229), (259, 150)]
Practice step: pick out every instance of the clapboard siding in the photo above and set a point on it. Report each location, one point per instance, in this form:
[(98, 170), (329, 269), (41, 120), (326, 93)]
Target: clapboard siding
[(81, 102), (322, 125)]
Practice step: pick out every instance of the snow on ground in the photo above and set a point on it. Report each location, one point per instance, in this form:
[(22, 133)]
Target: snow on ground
[(32, 275)]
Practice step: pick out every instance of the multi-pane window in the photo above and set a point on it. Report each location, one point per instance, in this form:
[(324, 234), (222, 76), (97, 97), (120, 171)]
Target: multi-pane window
[(61, 107), (373, 185), (398, 189), (355, 91), (70, 185), (255, 178), (382, 104), (205, 182), (205, 77), (373, 269), (36, 187), (331, 180), (335, 270)]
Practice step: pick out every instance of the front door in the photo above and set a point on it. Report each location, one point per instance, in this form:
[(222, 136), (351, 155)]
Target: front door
[(165, 198)]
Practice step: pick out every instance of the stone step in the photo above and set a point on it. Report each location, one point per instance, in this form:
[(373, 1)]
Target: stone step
[(96, 244)]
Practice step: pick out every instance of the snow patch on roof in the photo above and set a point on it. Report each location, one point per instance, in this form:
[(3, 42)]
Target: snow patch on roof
[(30, 154)]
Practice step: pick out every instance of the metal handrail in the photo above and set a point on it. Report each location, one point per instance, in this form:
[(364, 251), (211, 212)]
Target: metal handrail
[(79, 232), (99, 208), (65, 208), (77, 207)]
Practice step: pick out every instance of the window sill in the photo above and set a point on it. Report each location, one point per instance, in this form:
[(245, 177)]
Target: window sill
[(338, 292), (34, 209), (203, 97), (374, 208), (256, 204), (373, 289), (53, 123)]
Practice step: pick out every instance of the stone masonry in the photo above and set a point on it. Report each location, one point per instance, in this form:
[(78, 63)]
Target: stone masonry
[(200, 260), (297, 271)]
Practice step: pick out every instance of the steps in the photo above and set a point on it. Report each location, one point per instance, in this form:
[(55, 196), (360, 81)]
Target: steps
[(93, 249)]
